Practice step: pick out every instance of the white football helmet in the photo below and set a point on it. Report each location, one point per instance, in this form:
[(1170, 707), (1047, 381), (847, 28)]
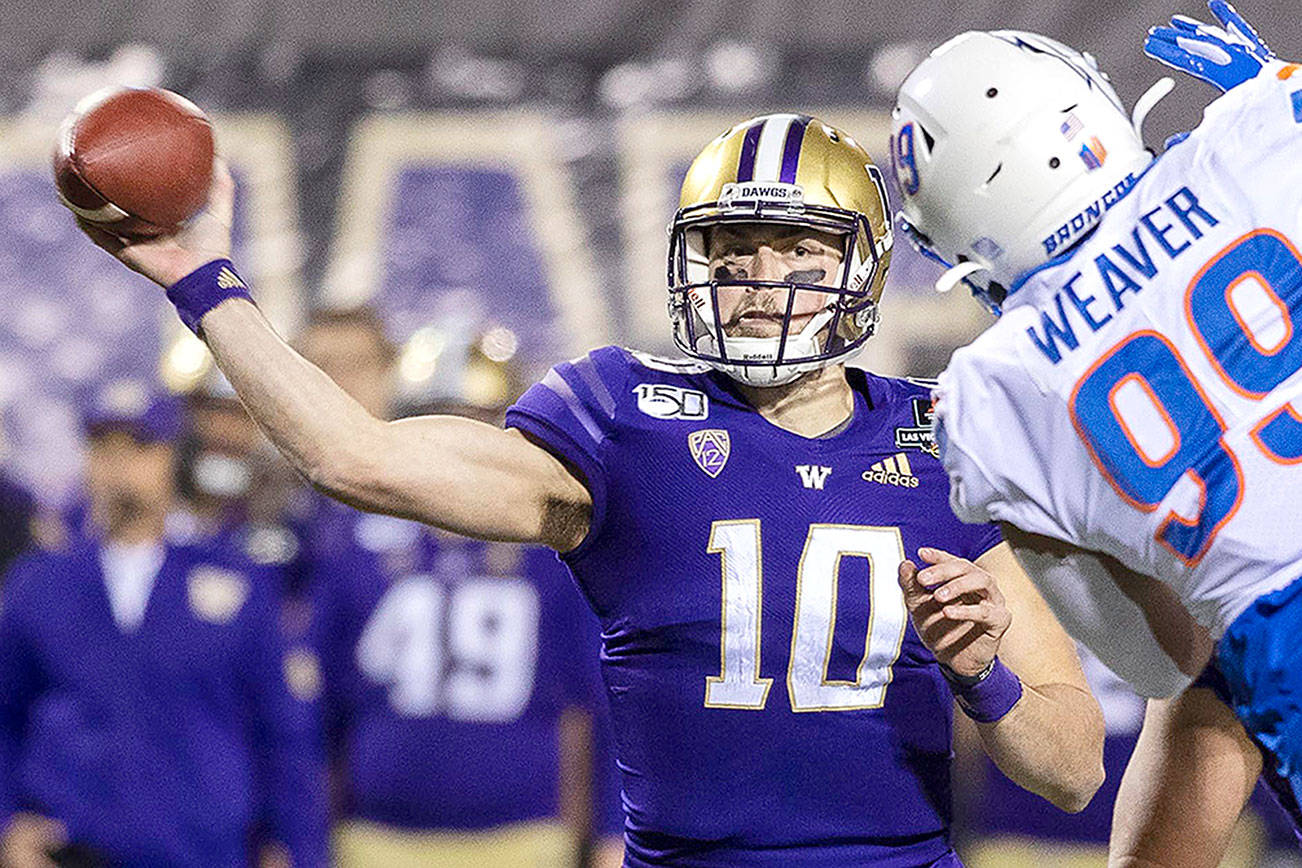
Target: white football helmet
[(1009, 147)]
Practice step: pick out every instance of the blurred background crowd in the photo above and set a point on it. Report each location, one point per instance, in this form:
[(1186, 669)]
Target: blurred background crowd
[(436, 202)]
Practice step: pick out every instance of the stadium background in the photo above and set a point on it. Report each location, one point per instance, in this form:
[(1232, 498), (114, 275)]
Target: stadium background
[(474, 166)]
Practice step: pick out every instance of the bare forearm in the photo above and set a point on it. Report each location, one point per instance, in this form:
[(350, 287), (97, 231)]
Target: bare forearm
[(1051, 744), (451, 472), (313, 422), (1187, 781)]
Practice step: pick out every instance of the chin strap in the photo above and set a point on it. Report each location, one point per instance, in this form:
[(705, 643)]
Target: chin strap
[(954, 276), (1155, 94)]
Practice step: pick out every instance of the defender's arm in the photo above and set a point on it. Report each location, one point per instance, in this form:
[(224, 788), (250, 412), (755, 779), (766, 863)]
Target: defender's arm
[(450, 472), (1185, 786)]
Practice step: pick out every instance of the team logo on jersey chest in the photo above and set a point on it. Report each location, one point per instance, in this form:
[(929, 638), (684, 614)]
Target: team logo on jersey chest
[(710, 448), (813, 475), (919, 435), (892, 471), (663, 401)]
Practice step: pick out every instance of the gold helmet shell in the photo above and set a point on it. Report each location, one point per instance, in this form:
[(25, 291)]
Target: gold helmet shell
[(795, 170)]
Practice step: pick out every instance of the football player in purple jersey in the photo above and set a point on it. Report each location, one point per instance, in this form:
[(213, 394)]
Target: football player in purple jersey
[(152, 710), (743, 522), (462, 693)]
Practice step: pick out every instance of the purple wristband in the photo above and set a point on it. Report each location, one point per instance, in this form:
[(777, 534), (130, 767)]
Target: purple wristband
[(203, 289), (990, 698)]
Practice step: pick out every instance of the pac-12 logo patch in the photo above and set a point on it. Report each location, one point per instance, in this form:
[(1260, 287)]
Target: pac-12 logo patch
[(710, 448), (919, 435), (662, 401)]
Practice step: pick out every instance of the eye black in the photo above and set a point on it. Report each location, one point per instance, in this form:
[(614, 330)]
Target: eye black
[(992, 93), (1054, 163)]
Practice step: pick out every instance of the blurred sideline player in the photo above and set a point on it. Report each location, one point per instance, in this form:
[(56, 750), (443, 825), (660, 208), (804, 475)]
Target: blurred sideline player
[(150, 711), (1139, 380), (230, 475), (461, 677), (234, 486), (17, 512), (738, 522)]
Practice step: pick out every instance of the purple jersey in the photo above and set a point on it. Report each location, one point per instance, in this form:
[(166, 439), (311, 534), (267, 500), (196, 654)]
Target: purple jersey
[(166, 744), (448, 664), (772, 704)]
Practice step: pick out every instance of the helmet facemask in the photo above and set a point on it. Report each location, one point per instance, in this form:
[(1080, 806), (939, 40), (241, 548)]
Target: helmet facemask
[(833, 332)]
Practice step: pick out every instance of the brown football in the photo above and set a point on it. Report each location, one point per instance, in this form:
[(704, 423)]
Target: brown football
[(136, 161)]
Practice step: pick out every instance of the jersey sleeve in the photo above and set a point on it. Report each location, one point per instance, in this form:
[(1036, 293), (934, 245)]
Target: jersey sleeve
[(572, 413), (970, 490), (1250, 144), (1005, 458), (1090, 606)]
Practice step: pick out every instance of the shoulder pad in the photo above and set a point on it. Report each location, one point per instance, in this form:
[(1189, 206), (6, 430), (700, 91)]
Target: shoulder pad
[(667, 365)]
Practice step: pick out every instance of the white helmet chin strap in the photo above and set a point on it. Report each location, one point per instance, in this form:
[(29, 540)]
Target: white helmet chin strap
[(802, 345), (1145, 104), (954, 276)]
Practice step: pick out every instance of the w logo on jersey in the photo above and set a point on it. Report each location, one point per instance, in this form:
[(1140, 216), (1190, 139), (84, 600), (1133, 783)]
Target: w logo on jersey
[(813, 475)]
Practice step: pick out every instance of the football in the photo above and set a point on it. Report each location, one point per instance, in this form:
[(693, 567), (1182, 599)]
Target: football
[(136, 161)]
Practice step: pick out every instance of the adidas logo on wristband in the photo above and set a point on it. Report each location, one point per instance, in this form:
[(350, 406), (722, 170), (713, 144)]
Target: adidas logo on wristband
[(227, 279)]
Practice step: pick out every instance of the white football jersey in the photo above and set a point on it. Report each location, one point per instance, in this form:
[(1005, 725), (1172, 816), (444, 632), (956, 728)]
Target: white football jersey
[(1140, 395)]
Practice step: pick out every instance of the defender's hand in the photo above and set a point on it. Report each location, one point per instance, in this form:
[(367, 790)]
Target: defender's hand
[(29, 839), (168, 258), (957, 609), (1224, 56)]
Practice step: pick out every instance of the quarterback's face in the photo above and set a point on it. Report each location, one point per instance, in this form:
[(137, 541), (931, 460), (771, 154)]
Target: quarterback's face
[(769, 251)]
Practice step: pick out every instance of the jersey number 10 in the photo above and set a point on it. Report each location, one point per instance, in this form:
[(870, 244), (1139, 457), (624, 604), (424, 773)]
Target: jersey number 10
[(739, 685), (1241, 307)]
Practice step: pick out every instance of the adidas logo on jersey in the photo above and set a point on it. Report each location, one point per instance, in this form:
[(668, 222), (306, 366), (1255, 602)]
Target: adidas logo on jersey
[(892, 471), (813, 475)]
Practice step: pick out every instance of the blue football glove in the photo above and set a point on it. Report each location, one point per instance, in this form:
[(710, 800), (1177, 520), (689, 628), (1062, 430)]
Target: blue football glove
[(1224, 56)]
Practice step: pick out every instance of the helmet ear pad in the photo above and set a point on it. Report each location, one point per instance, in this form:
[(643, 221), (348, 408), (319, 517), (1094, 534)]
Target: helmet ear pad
[(1009, 147)]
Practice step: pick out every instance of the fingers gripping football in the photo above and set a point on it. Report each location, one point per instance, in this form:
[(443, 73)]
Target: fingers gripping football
[(956, 608), (165, 259)]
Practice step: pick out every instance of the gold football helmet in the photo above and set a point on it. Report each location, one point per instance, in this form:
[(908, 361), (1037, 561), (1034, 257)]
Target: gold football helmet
[(793, 170)]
